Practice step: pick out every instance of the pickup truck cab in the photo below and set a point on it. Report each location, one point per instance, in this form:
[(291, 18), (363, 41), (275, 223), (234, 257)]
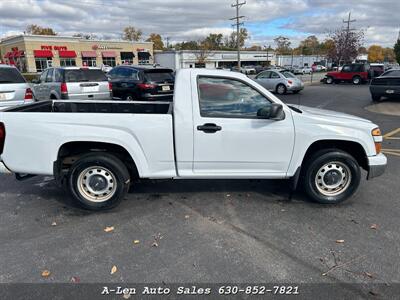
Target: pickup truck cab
[(221, 125), (355, 73)]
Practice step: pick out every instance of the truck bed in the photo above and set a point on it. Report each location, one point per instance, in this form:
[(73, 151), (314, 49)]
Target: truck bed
[(114, 107)]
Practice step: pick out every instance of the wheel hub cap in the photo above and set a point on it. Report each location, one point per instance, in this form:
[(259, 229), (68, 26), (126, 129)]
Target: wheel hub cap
[(97, 184), (333, 178)]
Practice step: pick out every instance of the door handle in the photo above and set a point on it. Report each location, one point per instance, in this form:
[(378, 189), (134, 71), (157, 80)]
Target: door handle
[(209, 128)]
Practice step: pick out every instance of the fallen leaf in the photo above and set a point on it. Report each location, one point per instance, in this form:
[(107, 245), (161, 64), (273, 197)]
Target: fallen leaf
[(368, 274), (109, 229), (374, 226), (339, 241), (187, 217), (136, 242), (54, 224), (46, 273), (113, 270), (75, 279)]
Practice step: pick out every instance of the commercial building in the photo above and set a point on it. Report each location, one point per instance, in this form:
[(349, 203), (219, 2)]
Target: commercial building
[(300, 60), (34, 53), (185, 59)]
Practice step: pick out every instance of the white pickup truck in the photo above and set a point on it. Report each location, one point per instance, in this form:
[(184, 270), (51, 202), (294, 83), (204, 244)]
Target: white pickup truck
[(220, 125)]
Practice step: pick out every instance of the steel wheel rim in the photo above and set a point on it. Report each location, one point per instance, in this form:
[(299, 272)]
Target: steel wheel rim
[(329, 80), (333, 178), (356, 80), (97, 184), (129, 98), (281, 89)]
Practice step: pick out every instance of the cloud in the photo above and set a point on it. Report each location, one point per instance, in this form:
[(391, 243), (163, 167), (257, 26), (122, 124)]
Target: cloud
[(184, 19)]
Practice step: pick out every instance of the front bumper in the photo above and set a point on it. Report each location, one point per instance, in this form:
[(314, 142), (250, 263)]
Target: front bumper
[(377, 165), (3, 169)]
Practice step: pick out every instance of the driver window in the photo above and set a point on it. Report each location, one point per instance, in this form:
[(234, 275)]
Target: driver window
[(275, 75), (264, 75), (229, 98), (43, 76), (346, 69)]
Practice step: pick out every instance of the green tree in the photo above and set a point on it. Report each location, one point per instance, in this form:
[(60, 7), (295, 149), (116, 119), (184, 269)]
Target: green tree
[(397, 50), (214, 41), (157, 40), (231, 41), (310, 45), (132, 34), (38, 30), (283, 45)]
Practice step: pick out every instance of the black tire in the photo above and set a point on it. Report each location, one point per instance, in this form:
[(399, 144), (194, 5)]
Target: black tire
[(114, 178), (376, 98), (356, 80), (348, 175), (281, 89), (129, 97), (329, 80)]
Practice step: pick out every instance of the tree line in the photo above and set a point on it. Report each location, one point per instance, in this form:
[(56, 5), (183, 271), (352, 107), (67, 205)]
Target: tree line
[(340, 46)]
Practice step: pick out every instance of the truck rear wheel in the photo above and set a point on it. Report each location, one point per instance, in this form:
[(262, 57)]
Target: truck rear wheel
[(98, 181), (331, 176)]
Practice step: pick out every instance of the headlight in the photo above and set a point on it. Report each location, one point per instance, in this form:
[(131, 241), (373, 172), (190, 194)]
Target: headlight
[(378, 139)]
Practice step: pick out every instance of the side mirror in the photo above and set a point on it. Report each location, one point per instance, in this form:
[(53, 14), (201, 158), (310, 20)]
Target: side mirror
[(272, 112)]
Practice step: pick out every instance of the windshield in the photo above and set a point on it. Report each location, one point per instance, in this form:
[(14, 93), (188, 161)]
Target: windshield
[(10, 75), (85, 75), (288, 74)]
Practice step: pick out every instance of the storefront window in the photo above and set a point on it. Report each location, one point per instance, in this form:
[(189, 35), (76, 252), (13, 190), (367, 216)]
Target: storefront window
[(43, 63), (89, 62), (109, 61), (144, 58), (67, 62), (127, 58)]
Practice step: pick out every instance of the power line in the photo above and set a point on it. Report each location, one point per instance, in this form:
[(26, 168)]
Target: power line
[(238, 5)]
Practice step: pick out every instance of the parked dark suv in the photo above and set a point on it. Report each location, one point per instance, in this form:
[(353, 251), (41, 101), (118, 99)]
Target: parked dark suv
[(142, 83)]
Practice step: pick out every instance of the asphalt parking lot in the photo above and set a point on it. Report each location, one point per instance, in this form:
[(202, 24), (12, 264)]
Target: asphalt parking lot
[(213, 231)]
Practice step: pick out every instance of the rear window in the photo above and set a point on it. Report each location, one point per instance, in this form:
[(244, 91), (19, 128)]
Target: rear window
[(84, 75), (159, 76), (10, 75)]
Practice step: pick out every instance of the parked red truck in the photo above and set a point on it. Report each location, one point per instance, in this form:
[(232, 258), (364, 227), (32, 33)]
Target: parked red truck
[(355, 73)]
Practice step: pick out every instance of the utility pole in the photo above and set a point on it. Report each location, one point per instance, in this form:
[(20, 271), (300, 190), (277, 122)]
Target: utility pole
[(348, 22), (167, 42), (238, 5)]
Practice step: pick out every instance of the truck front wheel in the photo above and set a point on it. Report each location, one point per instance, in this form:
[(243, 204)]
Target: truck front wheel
[(98, 181), (329, 80), (331, 176)]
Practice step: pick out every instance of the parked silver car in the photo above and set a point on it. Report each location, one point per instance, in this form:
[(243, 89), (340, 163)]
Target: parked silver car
[(14, 90), (73, 83), (279, 82)]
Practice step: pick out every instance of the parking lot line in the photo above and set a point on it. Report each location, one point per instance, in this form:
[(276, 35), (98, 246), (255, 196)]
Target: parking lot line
[(391, 135), (395, 152)]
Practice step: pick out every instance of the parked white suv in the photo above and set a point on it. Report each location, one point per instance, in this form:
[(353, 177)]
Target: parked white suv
[(14, 90)]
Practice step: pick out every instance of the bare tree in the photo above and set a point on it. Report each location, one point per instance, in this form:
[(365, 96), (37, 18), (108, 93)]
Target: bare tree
[(346, 45), (38, 30)]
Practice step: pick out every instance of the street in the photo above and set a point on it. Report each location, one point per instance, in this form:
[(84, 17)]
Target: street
[(213, 231)]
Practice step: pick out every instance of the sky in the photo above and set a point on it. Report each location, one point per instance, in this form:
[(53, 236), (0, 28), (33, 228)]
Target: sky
[(183, 20)]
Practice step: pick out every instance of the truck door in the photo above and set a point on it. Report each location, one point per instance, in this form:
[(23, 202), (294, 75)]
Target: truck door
[(229, 140), (346, 73)]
